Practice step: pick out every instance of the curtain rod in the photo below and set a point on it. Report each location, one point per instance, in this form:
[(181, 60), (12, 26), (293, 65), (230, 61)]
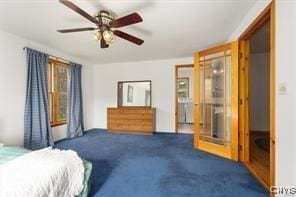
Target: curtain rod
[(53, 57)]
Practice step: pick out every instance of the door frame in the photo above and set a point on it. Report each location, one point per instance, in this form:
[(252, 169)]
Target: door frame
[(268, 14), (177, 67), (232, 151)]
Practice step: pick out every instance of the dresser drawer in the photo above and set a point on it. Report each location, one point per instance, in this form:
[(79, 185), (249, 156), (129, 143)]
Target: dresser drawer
[(142, 128), (130, 116), (126, 110), (120, 121), (146, 122), (130, 128), (119, 127)]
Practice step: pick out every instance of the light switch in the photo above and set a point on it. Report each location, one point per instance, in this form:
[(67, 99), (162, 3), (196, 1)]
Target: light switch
[(282, 88)]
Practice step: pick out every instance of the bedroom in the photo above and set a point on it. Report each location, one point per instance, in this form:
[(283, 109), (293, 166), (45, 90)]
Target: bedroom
[(165, 163)]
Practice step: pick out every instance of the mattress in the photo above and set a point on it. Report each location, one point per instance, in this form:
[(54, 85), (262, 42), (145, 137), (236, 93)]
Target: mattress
[(10, 153)]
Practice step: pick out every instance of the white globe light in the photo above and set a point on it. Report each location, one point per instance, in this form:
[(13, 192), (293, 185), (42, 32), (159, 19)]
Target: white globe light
[(108, 36), (97, 36)]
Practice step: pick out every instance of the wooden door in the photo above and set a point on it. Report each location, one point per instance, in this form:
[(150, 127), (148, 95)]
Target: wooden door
[(244, 101), (216, 100)]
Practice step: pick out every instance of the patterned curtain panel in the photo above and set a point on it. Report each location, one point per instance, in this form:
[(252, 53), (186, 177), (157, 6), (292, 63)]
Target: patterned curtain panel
[(37, 128), (75, 110)]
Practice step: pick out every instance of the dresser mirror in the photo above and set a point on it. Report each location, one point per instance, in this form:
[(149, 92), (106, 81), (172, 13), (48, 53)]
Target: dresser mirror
[(134, 94)]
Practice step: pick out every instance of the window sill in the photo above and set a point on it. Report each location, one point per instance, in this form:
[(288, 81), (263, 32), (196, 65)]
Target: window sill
[(58, 124)]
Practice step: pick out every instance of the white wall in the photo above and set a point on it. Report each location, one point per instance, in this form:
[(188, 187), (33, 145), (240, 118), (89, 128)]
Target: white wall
[(285, 73), (286, 104), (162, 74), (259, 6), (13, 88), (259, 91)]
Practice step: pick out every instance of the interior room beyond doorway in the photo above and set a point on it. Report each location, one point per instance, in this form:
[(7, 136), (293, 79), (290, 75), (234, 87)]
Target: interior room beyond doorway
[(259, 102), (184, 98)]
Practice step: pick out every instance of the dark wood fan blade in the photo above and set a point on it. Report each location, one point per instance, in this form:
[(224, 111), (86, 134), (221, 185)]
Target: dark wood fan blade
[(75, 8), (76, 30), (104, 44), (127, 20), (128, 37)]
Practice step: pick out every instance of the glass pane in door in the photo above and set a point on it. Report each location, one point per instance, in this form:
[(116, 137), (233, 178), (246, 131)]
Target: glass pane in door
[(215, 99), (207, 100)]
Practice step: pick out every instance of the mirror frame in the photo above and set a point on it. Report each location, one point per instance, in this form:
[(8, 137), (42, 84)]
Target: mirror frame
[(121, 82)]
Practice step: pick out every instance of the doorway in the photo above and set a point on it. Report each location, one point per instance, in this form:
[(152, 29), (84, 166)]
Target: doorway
[(259, 82), (256, 97), (184, 79)]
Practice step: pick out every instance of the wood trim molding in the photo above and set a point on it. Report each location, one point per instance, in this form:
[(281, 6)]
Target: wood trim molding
[(215, 149), (196, 100), (184, 65), (259, 21), (215, 49), (58, 124), (234, 100), (58, 61)]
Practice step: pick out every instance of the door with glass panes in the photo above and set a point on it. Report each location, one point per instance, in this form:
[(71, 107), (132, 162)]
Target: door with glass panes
[(216, 100)]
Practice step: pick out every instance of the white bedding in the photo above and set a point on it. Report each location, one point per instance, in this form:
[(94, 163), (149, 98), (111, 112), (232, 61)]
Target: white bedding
[(47, 172)]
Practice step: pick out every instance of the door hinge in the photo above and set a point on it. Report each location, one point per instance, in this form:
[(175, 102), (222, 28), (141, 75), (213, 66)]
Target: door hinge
[(241, 101), (240, 147), (241, 55)]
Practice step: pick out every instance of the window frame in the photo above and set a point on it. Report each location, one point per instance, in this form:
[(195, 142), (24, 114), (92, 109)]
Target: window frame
[(52, 90)]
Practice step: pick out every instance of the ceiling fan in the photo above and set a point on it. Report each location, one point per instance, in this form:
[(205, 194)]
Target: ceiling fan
[(104, 22)]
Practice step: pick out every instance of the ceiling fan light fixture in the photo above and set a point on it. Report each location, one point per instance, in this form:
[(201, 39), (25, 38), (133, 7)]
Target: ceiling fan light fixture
[(97, 36), (105, 22), (108, 36)]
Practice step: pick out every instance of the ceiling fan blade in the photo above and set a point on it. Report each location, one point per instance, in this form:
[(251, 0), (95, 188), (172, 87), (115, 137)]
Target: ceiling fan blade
[(104, 44), (76, 30), (75, 8), (127, 20), (128, 37)]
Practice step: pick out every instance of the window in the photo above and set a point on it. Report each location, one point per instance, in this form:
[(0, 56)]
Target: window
[(57, 91)]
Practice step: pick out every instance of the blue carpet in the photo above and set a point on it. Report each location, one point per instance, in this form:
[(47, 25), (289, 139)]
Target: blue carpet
[(160, 165)]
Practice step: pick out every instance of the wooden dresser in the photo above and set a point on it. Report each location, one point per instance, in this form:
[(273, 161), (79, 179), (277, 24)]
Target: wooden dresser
[(131, 120)]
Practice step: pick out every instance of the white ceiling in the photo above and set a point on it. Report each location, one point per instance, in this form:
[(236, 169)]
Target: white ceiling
[(171, 28)]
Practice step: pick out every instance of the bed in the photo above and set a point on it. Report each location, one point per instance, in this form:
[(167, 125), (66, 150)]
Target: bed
[(10, 153)]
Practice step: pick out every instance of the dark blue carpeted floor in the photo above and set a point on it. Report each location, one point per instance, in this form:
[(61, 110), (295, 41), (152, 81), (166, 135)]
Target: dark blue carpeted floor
[(159, 165)]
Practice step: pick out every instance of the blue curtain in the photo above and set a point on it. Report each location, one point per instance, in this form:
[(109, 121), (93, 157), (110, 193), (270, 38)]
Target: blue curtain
[(37, 128), (75, 109)]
